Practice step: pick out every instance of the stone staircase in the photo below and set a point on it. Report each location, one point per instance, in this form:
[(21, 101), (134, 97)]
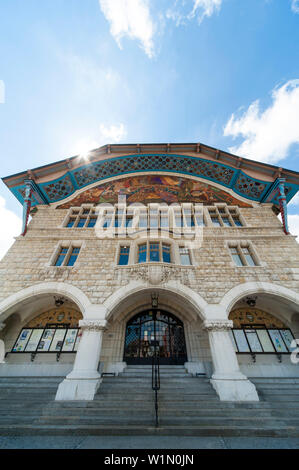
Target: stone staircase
[(124, 405)]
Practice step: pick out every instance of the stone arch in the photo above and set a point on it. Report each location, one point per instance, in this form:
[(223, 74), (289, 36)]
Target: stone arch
[(60, 288), (174, 287), (238, 292)]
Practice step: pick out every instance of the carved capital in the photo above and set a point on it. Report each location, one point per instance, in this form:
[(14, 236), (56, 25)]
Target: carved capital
[(93, 325), (217, 325), (2, 326)]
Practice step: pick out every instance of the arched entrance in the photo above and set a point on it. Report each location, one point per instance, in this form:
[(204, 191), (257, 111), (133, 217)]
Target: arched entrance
[(155, 329)]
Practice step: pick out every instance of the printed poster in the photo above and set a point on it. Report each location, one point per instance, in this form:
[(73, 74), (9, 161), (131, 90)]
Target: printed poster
[(57, 342), (34, 340), (70, 340), (22, 340)]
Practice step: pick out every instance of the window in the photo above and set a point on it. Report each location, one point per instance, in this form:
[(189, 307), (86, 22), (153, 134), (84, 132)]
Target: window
[(86, 217), (124, 255), (154, 252), (224, 216), (243, 255), (67, 256), (185, 256)]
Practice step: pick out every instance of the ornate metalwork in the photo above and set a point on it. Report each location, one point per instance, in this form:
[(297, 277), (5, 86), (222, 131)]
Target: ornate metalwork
[(155, 332)]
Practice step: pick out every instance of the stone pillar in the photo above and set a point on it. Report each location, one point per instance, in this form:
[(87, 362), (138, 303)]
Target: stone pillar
[(2, 346), (84, 380), (227, 379)]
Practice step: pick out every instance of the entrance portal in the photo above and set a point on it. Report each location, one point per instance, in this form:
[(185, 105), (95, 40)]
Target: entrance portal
[(155, 329)]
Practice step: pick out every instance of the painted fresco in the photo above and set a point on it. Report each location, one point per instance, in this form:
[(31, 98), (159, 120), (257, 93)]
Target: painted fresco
[(154, 188)]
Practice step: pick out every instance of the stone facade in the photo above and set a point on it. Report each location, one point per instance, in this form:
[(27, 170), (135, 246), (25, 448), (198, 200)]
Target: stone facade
[(108, 295)]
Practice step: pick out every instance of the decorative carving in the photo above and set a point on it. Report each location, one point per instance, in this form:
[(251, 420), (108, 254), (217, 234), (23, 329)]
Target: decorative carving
[(2, 326), (217, 325), (93, 325), (156, 274)]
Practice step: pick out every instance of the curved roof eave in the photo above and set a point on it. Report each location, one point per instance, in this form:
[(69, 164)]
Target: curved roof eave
[(254, 181)]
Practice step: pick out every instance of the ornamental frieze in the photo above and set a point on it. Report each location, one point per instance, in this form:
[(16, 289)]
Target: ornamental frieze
[(217, 325), (156, 274)]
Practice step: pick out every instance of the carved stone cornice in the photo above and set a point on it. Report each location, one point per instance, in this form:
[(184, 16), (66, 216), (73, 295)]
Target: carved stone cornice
[(217, 325), (93, 325)]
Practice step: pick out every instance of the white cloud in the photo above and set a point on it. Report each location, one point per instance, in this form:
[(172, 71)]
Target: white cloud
[(112, 134), (130, 18), (295, 200), (200, 9), (293, 221), (13, 227), (268, 134), (295, 6)]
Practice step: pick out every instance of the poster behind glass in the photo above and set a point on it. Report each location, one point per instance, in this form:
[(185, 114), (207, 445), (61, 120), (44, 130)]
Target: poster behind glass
[(34, 340), (57, 342), (233, 340), (241, 341), (288, 338), (46, 340), (78, 340), (253, 341), (22, 340), (70, 340), (277, 341), (265, 340)]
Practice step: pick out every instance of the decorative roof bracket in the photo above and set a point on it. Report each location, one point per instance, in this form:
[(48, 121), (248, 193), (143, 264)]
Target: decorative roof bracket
[(29, 188), (283, 205)]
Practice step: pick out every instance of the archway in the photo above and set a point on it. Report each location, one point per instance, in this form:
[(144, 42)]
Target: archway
[(155, 332)]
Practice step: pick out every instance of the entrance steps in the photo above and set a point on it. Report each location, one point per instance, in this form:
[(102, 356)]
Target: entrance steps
[(124, 405)]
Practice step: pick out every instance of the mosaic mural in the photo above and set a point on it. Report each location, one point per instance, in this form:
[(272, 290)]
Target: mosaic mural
[(154, 188), (247, 316)]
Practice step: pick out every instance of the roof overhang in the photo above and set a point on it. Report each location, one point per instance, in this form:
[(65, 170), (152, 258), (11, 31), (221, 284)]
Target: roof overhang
[(249, 179)]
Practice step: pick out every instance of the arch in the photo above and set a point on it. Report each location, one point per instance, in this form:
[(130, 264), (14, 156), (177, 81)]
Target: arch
[(175, 287), (247, 288), (60, 288)]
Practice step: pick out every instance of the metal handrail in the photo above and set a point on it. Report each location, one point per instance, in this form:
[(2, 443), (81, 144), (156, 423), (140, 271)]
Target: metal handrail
[(156, 383)]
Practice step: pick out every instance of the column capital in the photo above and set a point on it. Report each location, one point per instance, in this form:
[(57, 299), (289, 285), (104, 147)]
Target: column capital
[(2, 326), (217, 325), (93, 325)]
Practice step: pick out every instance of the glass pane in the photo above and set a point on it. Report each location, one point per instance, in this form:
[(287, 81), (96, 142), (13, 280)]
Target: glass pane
[(185, 256), (154, 252), (215, 221), (241, 341), (277, 341), (253, 341), (46, 339), (22, 340), (34, 340), (73, 257), (288, 338), (164, 221), (237, 221), (250, 260), (143, 222), (166, 253), (69, 341), (233, 340), (265, 340), (107, 223), (57, 342), (129, 221), (142, 253), (226, 221), (82, 222), (124, 255), (71, 223), (92, 222)]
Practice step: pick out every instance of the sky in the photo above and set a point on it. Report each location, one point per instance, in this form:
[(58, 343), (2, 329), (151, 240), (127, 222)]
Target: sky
[(78, 74)]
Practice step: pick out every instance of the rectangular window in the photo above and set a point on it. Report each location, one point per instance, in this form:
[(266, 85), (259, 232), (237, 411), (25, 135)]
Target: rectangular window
[(92, 222), (142, 253), (248, 257), (154, 252), (237, 221), (216, 222), (73, 257), (236, 257), (61, 256), (124, 255), (226, 221), (129, 221), (185, 256), (71, 222), (82, 222), (166, 253)]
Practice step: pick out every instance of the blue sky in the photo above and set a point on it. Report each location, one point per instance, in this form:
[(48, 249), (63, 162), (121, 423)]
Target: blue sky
[(78, 74)]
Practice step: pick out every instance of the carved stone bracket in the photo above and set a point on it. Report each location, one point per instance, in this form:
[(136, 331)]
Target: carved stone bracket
[(217, 325), (93, 325)]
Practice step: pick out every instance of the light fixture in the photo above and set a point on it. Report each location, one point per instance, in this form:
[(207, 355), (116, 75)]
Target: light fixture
[(59, 301), (155, 297), (251, 301)]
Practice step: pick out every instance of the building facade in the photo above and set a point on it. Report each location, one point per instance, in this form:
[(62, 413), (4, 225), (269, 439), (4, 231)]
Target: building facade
[(173, 250)]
